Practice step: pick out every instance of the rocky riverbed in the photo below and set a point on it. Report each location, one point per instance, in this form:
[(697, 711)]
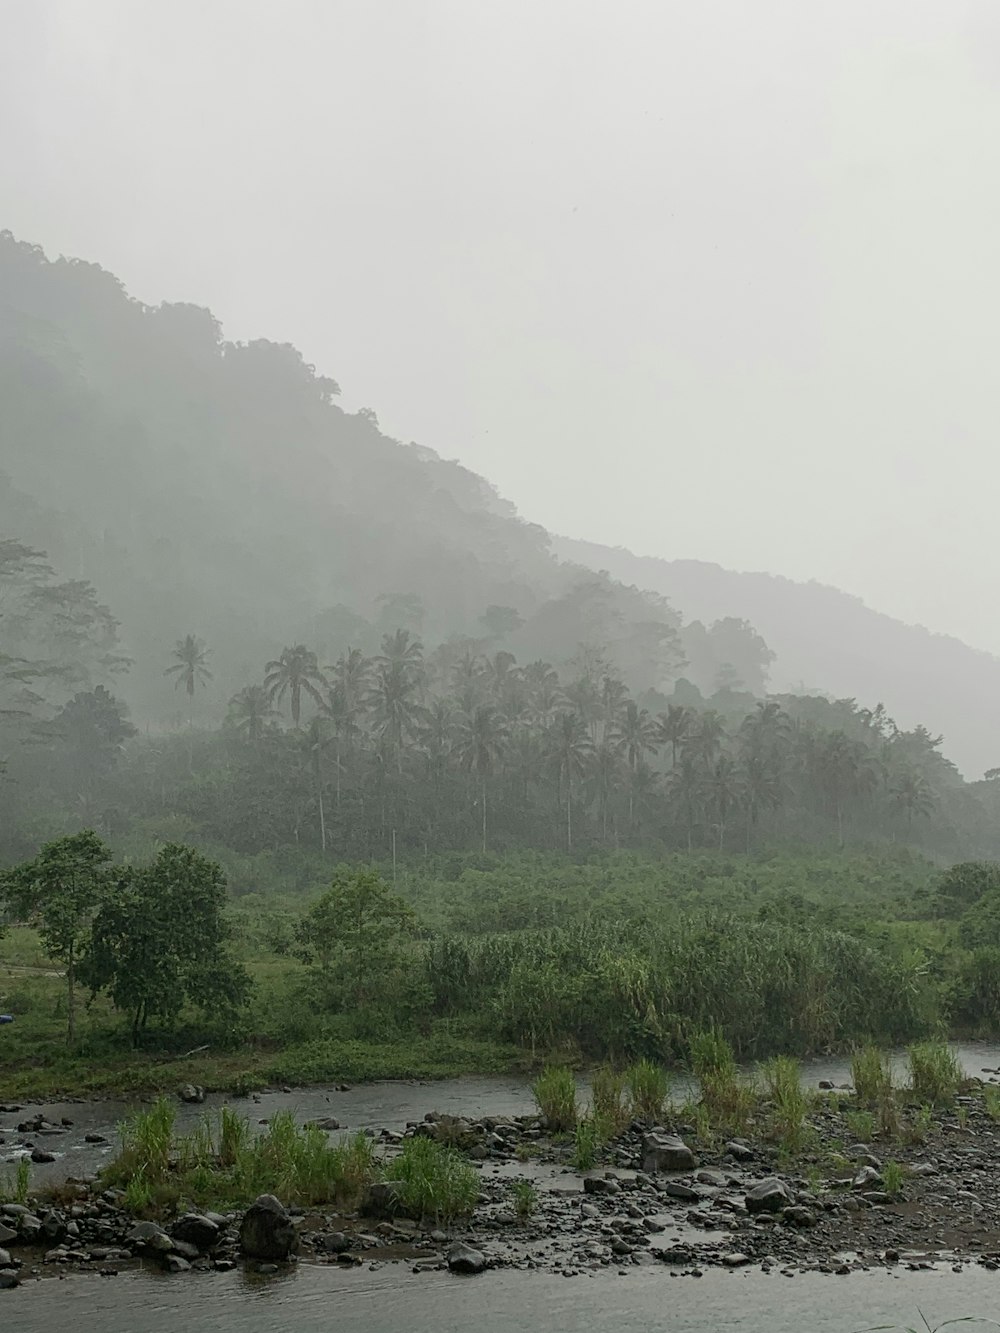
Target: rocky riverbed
[(660, 1197)]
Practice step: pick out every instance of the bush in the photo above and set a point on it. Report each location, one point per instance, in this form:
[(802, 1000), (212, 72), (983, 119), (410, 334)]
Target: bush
[(436, 1181), (610, 1108), (554, 1092), (782, 1079), (525, 1199), (587, 1142), (725, 1095), (935, 1073)]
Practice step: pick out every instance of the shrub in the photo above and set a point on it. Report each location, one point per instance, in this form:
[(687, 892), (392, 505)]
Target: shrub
[(146, 1142), (14, 1186), (648, 1088), (991, 1101), (782, 1079), (554, 1092), (861, 1124), (728, 1098), (935, 1073), (871, 1075), (436, 1181), (893, 1175)]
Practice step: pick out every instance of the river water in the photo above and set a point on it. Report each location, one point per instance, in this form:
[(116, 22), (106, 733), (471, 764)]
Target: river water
[(394, 1300)]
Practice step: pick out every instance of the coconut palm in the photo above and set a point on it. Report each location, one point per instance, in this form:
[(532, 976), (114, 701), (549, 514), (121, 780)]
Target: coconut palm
[(570, 747), (481, 742), (395, 695), (722, 789), (191, 655), (250, 711), (295, 671), (911, 792), (674, 726)]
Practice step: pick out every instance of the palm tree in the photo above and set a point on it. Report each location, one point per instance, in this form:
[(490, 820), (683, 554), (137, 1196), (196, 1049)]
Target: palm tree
[(191, 656), (685, 790), (705, 736), (570, 747), (674, 726), (912, 794), (482, 740), (762, 787), (250, 711), (395, 693), (723, 791), (605, 776), (637, 734), (291, 673)]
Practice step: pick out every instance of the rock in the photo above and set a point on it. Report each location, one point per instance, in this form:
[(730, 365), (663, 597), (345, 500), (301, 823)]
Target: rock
[(266, 1231), (735, 1259), (40, 1157), (768, 1196), (383, 1199), (191, 1092), (678, 1191), (8, 1279), (865, 1178), (463, 1258), (175, 1263), (336, 1242), (5, 1260), (54, 1227), (826, 1085), (800, 1216), (149, 1236), (666, 1152), (739, 1151), (29, 1228), (7, 1234), (94, 1138), (601, 1185), (196, 1229), (327, 1122)]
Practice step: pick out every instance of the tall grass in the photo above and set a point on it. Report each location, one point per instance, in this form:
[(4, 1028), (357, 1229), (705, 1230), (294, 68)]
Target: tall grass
[(782, 1080), (935, 1072), (436, 1181), (587, 1142), (525, 1197), (554, 1092), (610, 1107), (146, 1142), (729, 1099), (14, 1186), (648, 1087), (871, 1075)]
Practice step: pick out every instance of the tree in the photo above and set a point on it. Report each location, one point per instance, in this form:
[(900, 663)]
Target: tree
[(570, 747), (674, 726), (60, 891), (395, 693), (250, 711), (91, 730), (160, 940), (912, 793), (482, 739), (353, 933), (295, 671), (190, 666)]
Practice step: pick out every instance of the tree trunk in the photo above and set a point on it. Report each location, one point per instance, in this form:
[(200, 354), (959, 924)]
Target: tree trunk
[(484, 812), (71, 997), (569, 813), (322, 822)]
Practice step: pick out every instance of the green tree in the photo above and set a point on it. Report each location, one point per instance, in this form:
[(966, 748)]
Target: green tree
[(160, 940), (674, 726), (570, 747), (61, 890), (353, 933), (482, 741), (191, 656), (295, 671), (250, 712)]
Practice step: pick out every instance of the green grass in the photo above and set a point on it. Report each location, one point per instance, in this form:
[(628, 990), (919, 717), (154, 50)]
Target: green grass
[(861, 1125), (893, 1176), (729, 1098), (648, 1086), (782, 1082), (15, 1184), (437, 1182), (871, 1075), (610, 1106), (587, 1143), (554, 1092), (525, 1197), (991, 1101), (935, 1072)]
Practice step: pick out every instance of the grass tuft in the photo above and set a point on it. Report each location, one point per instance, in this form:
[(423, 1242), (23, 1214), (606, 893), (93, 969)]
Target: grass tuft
[(871, 1075), (525, 1199), (935, 1073), (554, 1092), (648, 1086), (611, 1109), (436, 1181)]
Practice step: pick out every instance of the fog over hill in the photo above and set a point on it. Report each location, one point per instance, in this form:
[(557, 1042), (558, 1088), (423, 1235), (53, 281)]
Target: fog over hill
[(829, 641)]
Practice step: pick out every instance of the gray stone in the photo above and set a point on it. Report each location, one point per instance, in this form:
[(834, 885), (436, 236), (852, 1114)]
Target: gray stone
[(768, 1196), (7, 1234), (601, 1185), (335, 1242), (196, 1229), (267, 1231), (176, 1263), (327, 1122), (54, 1227), (800, 1216), (463, 1258), (191, 1092), (383, 1199), (865, 1178), (8, 1279), (735, 1259), (149, 1236), (678, 1191), (666, 1152), (739, 1151)]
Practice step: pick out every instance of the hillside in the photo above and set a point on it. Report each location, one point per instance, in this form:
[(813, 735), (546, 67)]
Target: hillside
[(826, 640)]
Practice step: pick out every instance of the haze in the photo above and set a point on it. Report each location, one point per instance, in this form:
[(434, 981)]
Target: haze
[(712, 280)]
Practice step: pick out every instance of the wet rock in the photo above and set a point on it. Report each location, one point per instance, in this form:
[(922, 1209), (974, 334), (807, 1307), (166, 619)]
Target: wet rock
[(383, 1199), (676, 1190), (94, 1138), (865, 1178), (736, 1259), (9, 1279), (54, 1228), (325, 1122), (191, 1092), (601, 1185), (149, 1237), (176, 1263), (768, 1196), (800, 1216), (740, 1152), (196, 1229), (666, 1152), (41, 1157), (463, 1258), (5, 1260), (7, 1234), (826, 1085), (267, 1231)]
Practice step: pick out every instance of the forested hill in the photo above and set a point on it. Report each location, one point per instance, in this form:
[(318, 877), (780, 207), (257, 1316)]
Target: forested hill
[(825, 639), (217, 489)]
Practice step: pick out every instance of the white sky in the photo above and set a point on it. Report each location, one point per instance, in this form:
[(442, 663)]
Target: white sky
[(706, 278)]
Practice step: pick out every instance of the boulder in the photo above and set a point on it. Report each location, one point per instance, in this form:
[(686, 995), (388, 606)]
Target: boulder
[(191, 1092), (196, 1229), (7, 1234), (463, 1258), (327, 1122), (54, 1227), (383, 1199), (5, 1260), (666, 1152), (740, 1152), (676, 1190), (176, 1263), (267, 1231), (601, 1185), (768, 1196), (866, 1178), (800, 1216), (8, 1279), (336, 1242), (40, 1157)]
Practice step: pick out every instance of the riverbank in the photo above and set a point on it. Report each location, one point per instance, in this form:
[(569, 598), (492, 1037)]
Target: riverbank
[(851, 1189)]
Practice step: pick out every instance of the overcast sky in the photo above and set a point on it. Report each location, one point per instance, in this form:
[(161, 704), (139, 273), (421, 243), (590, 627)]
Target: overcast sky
[(705, 278)]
